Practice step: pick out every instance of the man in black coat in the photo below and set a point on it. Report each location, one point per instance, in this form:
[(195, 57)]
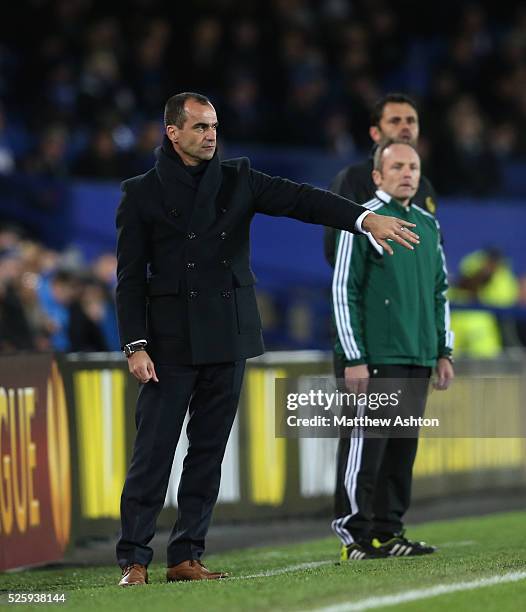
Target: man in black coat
[(186, 294)]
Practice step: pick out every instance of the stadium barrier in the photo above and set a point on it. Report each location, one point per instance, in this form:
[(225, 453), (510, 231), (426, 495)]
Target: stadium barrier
[(67, 430), (35, 462)]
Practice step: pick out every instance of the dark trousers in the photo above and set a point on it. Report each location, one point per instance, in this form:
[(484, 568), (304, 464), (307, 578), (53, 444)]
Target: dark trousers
[(210, 393), (374, 473)]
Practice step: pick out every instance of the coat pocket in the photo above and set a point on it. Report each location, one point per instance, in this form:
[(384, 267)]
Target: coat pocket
[(243, 276), (377, 325), (167, 316), (248, 319)]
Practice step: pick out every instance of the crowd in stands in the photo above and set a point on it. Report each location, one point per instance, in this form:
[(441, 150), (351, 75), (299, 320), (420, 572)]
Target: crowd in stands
[(82, 88), (82, 83), (50, 300)]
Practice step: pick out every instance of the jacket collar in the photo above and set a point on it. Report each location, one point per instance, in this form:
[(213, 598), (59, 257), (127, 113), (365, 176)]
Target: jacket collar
[(170, 169), (387, 199)]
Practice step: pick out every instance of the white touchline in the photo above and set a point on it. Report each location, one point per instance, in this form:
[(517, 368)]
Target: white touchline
[(440, 589), (283, 570), (456, 543)]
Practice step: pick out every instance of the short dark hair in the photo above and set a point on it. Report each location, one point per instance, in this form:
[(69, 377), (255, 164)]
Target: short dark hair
[(174, 113), (380, 149), (64, 277), (394, 98)]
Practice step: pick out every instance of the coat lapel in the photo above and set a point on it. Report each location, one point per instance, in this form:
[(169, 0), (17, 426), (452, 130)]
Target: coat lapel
[(195, 204), (177, 191), (170, 172)]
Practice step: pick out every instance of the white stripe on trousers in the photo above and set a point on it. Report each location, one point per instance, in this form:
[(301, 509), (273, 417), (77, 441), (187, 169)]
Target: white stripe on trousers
[(354, 461)]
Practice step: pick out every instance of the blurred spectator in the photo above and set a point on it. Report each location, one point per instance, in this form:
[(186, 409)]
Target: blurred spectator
[(56, 295), (503, 141), (466, 164), (337, 134), (142, 157), (86, 316), (15, 331), (444, 89), (105, 271), (42, 187), (102, 160), (10, 236), (148, 73), (206, 56), (7, 155), (102, 87), (60, 93), (243, 116), (306, 106), (245, 54), (23, 324), (486, 279), (388, 49), (49, 158), (296, 13)]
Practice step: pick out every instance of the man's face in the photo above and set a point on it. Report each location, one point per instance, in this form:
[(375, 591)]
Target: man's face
[(196, 140), (63, 292), (399, 121), (400, 172)]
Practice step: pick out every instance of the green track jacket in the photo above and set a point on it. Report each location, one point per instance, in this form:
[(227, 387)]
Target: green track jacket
[(392, 309)]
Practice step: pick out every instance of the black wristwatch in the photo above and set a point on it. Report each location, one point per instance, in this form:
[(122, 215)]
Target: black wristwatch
[(133, 347)]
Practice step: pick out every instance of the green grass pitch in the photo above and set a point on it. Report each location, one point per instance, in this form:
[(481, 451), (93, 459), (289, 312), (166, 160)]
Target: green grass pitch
[(306, 576)]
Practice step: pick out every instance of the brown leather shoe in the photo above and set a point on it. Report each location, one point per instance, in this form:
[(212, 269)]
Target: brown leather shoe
[(134, 574), (192, 570)]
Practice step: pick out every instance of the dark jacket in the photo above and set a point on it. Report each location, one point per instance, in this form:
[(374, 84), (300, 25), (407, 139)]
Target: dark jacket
[(184, 277), (356, 183)]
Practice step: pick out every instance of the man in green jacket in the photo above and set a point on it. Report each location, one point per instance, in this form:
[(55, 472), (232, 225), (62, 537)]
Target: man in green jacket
[(392, 320)]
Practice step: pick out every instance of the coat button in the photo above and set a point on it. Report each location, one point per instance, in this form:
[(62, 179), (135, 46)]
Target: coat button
[(175, 213), (386, 302), (192, 294), (191, 236), (226, 294), (190, 265), (222, 235), (225, 262), (223, 210)]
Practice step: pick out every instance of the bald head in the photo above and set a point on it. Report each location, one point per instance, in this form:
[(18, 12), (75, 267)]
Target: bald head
[(397, 170)]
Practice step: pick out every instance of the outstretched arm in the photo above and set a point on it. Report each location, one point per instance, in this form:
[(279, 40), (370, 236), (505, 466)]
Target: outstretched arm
[(283, 198)]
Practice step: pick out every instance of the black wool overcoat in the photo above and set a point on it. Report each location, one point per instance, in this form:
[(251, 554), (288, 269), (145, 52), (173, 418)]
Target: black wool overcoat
[(184, 280)]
